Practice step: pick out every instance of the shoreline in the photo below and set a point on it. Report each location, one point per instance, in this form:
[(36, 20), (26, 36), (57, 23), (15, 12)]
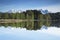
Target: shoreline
[(20, 20)]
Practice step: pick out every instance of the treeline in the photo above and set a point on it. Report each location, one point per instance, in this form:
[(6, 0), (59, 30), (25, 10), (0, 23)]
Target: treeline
[(30, 14), (12, 15), (55, 16)]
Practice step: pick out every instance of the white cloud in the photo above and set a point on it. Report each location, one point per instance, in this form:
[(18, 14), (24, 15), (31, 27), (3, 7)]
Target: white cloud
[(52, 8), (53, 31)]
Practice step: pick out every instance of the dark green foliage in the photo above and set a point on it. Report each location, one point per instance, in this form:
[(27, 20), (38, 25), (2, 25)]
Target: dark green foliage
[(35, 19), (29, 15), (55, 16)]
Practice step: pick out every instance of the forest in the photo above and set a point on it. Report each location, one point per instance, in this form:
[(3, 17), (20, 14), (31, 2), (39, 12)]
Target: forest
[(30, 15), (32, 19)]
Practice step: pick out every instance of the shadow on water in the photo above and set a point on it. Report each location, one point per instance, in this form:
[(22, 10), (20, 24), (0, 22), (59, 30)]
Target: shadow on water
[(32, 25)]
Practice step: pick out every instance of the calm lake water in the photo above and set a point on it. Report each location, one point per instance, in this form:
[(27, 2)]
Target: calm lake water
[(30, 30)]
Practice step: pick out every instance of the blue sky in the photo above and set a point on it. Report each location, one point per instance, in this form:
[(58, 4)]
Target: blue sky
[(12, 33), (6, 5)]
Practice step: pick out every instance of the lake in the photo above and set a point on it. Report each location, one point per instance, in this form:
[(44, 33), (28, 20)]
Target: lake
[(30, 30)]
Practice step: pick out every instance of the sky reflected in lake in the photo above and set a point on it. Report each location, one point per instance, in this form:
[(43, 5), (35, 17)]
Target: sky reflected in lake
[(13, 33)]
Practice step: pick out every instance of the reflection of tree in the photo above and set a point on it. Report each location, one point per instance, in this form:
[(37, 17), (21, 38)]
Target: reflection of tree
[(47, 23), (55, 23), (32, 25), (29, 25)]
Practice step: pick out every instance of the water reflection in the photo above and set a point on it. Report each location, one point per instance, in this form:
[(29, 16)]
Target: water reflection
[(32, 25), (13, 33), (30, 30)]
